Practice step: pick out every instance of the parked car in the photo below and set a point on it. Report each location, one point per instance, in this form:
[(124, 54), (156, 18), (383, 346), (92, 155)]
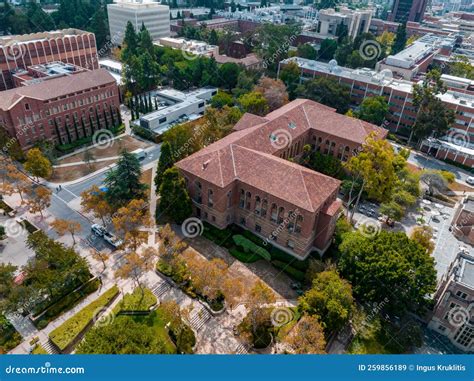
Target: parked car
[(98, 230), (470, 180), (112, 239)]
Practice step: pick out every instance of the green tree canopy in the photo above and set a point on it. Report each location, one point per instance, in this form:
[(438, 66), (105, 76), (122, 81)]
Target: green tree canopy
[(175, 201), (373, 110), (326, 91)]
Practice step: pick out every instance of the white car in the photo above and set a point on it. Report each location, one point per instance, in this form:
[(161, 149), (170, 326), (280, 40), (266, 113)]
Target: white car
[(98, 230), (112, 239), (470, 180)]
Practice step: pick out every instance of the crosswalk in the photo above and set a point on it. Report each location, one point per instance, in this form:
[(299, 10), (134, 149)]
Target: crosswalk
[(198, 317), (241, 349)]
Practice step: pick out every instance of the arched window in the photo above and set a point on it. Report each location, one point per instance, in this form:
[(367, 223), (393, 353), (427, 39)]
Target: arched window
[(291, 222), (248, 200), (242, 199), (263, 212), (257, 205), (281, 214), (274, 213), (339, 152), (210, 198), (345, 157), (299, 223), (198, 196)]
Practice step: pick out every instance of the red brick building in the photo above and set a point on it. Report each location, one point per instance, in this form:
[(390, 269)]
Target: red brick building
[(247, 179), (71, 46), (61, 109)]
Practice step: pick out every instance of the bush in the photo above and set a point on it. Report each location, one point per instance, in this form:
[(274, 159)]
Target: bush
[(66, 333), (242, 256), (218, 236), (66, 303), (282, 256), (289, 270), (145, 134), (185, 341), (136, 302), (249, 246)]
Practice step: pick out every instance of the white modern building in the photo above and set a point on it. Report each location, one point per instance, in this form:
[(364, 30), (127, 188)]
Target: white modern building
[(357, 22), (192, 47), (176, 107), (155, 16)]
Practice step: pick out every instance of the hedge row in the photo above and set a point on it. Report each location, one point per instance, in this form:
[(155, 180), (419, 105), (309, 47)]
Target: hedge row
[(290, 270), (86, 140), (249, 246), (66, 303), (67, 332)]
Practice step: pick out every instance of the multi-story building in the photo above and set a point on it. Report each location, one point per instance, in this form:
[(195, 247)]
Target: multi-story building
[(153, 15), (247, 179), (60, 109), (457, 145), (408, 10), (71, 46), (462, 224), (453, 312), (357, 22), (191, 47)]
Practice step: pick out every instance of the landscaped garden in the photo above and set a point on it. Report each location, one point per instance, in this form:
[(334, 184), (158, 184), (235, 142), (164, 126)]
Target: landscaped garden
[(132, 328), (247, 248)]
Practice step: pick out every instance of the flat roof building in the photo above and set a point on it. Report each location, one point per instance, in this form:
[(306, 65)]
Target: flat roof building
[(155, 16)]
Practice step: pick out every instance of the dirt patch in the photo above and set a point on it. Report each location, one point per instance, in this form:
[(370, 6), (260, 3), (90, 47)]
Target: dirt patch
[(147, 179), (74, 172), (127, 142)]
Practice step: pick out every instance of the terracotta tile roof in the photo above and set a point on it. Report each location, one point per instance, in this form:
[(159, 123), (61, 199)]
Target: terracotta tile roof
[(56, 87), (248, 154)]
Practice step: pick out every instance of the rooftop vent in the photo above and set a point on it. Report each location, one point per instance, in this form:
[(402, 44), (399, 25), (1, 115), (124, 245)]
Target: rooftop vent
[(292, 125), (205, 164)]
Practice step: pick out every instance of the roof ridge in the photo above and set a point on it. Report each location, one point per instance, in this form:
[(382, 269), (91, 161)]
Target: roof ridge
[(306, 188)]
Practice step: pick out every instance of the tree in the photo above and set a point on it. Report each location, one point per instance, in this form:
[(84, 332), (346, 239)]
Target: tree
[(386, 39), (7, 284), (100, 27), (128, 221), (435, 182), (307, 51), (166, 161), (222, 99), (254, 103), (94, 200), (89, 159), (175, 201), (66, 226), (373, 110), (19, 182), (123, 182), (400, 39), (392, 210), (307, 337), (122, 336), (461, 67), (259, 298), (327, 164), (274, 92), (330, 298), (388, 266), (327, 49), (374, 167), (136, 265), (213, 37), (37, 164), (101, 256), (130, 43), (326, 91), (290, 75), (423, 235), (228, 74), (40, 200)]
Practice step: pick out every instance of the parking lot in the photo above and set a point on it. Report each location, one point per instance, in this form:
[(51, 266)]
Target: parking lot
[(437, 216)]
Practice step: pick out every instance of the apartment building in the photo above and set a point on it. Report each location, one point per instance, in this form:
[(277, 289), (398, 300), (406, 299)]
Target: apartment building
[(453, 312), (408, 10), (247, 179), (60, 109), (462, 224), (71, 46), (153, 15), (457, 145)]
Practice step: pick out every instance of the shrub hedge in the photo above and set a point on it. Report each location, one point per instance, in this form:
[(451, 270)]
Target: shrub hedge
[(66, 303), (67, 332), (243, 256), (249, 246), (290, 270)]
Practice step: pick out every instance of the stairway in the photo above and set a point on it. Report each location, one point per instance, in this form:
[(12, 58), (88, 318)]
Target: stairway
[(158, 289), (198, 317), (49, 347)]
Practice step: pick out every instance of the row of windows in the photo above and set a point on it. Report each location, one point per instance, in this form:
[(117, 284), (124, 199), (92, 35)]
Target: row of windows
[(258, 229)]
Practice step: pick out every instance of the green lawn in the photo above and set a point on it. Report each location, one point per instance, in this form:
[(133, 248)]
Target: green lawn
[(136, 301), (39, 350)]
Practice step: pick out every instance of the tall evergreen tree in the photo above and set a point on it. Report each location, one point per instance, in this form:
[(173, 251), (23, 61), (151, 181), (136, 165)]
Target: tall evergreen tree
[(400, 39), (166, 161), (130, 43), (175, 201)]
